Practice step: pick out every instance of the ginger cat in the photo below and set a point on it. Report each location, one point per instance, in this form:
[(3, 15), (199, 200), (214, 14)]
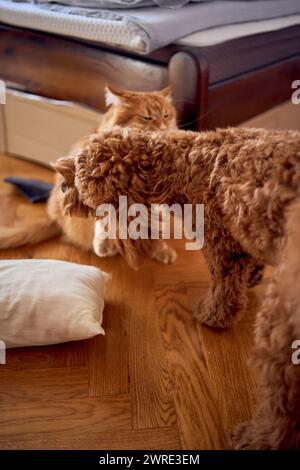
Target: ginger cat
[(148, 111), (142, 110)]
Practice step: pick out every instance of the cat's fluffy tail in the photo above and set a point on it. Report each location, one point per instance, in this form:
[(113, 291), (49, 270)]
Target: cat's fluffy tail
[(13, 237)]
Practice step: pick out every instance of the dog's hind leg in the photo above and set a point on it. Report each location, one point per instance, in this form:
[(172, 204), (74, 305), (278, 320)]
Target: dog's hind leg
[(229, 267), (276, 422)]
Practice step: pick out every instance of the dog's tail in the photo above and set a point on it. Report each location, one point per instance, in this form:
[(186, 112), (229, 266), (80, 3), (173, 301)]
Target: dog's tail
[(289, 274), (13, 237)]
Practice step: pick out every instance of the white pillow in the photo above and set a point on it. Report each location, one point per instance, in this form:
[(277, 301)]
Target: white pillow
[(49, 302)]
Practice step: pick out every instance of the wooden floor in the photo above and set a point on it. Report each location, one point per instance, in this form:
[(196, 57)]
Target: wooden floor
[(157, 380)]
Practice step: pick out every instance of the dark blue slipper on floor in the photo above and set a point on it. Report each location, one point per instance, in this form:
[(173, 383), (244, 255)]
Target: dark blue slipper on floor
[(33, 190)]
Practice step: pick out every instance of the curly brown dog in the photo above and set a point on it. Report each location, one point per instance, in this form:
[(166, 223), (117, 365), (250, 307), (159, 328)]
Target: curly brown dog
[(249, 182), (127, 109)]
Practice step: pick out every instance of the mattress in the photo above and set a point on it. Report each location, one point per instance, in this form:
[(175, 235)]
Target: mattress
[(220, 34), (140, 29)]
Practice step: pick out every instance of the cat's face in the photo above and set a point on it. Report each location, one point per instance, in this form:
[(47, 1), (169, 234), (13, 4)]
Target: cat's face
[(149, 111)]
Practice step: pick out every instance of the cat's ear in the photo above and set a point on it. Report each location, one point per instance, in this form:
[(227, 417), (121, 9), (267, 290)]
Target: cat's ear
[(112, 96), (167, 93)]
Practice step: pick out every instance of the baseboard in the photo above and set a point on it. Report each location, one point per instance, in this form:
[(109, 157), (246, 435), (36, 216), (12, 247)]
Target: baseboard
[(41, 129), (3, 144)]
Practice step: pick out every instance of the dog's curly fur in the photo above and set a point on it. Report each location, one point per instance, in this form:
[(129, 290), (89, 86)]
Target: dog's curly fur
[(248, 180), (127, 109)]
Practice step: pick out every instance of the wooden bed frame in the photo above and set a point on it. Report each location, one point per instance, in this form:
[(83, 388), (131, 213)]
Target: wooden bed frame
[(67, 69)]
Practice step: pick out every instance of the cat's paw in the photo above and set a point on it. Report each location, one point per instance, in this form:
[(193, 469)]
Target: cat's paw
[(165, 255), (104, 248)]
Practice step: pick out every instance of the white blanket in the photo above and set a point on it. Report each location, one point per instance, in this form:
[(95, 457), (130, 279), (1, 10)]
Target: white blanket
[(140, 29), (125, 3)]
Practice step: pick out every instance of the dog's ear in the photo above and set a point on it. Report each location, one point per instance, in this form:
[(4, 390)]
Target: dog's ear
[(66, 167), (99, 175), (72, 204)]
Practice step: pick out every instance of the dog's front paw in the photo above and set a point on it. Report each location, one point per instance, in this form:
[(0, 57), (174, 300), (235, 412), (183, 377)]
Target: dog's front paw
[(165, 254), (211, 315), (104, 248)]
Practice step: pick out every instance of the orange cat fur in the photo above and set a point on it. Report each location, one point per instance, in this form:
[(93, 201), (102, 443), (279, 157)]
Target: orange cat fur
[(148, 111), (143, 110)]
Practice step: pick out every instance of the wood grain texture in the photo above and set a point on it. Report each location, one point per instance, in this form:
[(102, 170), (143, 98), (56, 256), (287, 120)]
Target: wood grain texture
[(108, 360), (270, 85), (65, 416), (69, 354), (38, 384), (194, 392), (157, 379), (152, 397), (151, 439), (227, 355), (89, 67)]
